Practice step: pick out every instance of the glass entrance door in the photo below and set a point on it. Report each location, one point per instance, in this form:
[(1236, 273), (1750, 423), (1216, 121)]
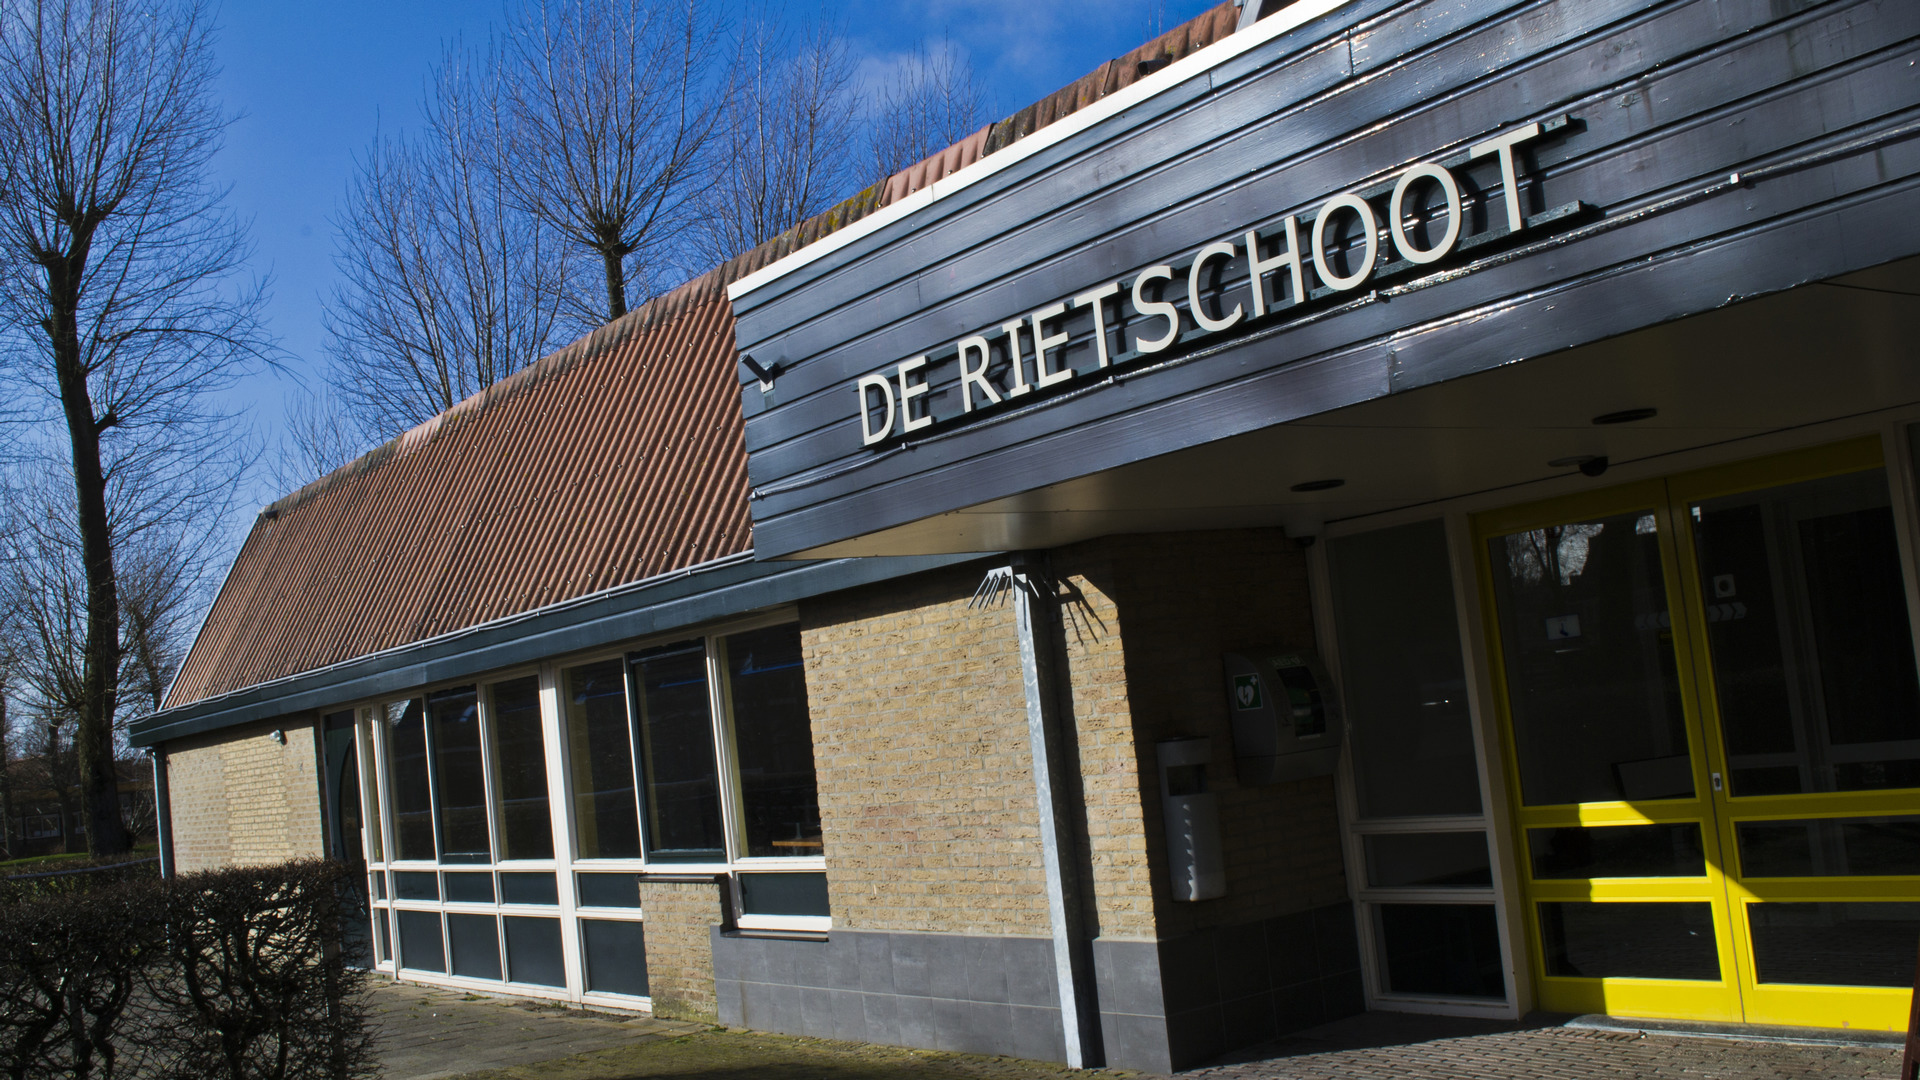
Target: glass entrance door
[(1708, 692)]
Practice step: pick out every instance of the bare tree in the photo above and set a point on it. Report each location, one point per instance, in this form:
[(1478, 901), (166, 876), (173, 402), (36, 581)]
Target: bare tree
[(316, 437), (932, 101), (785, 141), (447, 286), (614, 103), (119, 310)]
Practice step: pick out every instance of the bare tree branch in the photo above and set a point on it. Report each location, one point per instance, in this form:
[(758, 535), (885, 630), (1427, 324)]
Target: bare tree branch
[(933, 102)]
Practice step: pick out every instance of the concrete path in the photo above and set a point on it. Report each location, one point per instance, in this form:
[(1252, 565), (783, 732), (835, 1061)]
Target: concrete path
[(429, 1034)]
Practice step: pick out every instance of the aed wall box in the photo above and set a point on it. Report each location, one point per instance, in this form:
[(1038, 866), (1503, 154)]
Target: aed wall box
[(1286, 720)]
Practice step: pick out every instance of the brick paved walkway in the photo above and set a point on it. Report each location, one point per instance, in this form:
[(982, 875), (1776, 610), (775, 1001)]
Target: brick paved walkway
[(431, 1034)]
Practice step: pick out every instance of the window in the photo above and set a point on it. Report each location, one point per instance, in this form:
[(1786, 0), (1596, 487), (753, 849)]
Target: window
[(767, 690), (520, 760), (606, 820), (673, 720)]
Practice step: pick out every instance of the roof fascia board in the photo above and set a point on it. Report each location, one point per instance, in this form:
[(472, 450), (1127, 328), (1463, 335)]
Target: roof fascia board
[(1192, 66), (732, 587)]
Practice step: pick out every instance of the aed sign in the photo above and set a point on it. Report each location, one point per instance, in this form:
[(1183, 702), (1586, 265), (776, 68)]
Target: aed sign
[(1355, 238)]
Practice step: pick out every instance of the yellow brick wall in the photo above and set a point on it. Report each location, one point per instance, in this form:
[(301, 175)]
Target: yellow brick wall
[(920, 742), (239, 797), (679, 917)]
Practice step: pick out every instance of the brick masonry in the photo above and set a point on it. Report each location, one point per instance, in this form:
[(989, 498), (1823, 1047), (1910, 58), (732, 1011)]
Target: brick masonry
[(240, 797), (680, 915)]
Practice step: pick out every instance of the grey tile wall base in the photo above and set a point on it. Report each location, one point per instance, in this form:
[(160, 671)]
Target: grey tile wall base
[(971, 993)]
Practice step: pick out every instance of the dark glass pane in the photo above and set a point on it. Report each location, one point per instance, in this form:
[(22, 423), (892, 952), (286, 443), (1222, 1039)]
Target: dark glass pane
[(610, 890), (1830, 847), (420, 945), (1617, 851), (1447, 950), (459, 776), (1812, 648), (470, 888), (1402, 677), (534, 951), (674, 722), (381, 951), (600, 749), (1850, 944), (416, 884), (616, 956), (407, 769), (1456, 859), (1588, 645), (476, 945), (379, 883), (773, 742), (784, 894), (528, 887), (1630, 940), (520, 767)]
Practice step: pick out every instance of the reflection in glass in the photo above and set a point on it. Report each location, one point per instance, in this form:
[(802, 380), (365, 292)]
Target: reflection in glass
[(1617, 851), (520, 769), (469, 887), (1588, 643), (1630, 940), (1812, 648), (773, 742), (1830, 847), (534, 952), (1441, 950), (529, 887), (784, 894), (673, 723), (407, 772), (1402, 678), (474, 941), (459, 775), (416, 885), (616, 955), (421, 946), (609, 890), (1848, 944), (600, 753), (1443, 860), (376, 848)]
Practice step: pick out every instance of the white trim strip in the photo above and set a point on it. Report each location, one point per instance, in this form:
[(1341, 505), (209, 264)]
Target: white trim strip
[(1186, 68)]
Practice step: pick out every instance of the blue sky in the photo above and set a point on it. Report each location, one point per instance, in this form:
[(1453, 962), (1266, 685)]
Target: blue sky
[(312, 83)]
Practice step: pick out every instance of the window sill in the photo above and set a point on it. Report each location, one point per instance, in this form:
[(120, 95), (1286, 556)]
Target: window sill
[(781, 935)]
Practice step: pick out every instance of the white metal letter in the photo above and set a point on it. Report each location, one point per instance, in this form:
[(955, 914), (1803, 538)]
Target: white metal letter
[(1509, 183), (1395, 212), (1098, 298), (1222, 249), (1042, 341), (1155, 309), (1369, 226), (869, 436), (1259, 267), (909, 391), (1012, 330), (971, 377)]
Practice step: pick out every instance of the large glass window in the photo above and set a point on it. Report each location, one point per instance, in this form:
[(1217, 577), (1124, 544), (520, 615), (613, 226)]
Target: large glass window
[(459, 775), (606, 821), (412, 792), (767, 689), (520, 766), (673, 722)]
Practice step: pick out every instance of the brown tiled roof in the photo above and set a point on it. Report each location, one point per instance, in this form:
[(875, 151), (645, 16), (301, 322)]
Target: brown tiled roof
[(616, 459)]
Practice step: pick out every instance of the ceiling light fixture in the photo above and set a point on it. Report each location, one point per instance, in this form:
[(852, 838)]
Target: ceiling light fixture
[(1590, 464)]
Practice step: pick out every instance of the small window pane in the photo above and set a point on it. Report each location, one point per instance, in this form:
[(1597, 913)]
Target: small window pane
[(1617, 851), (520, 765), (1831, 847), (773, 741), (528, 887), (1429, 860), (610, 890), (421, 947), (381, 952), (1850, 944), (371, 814), (674, 721), (1442, 950), (784, 894), (476, 946), (416, 884), (470, 888), (1630, 940), (616, 956), (606, 817), (1402, 677), (534, 951), (379, 882), (407, 769), (460, 784)]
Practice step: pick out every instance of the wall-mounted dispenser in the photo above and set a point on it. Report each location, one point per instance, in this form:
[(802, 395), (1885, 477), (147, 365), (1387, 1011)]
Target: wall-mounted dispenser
[(1286, 720), (1192, 817)]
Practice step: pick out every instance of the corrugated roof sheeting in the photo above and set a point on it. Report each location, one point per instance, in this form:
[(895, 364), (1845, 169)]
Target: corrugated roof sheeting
[(615, 460)]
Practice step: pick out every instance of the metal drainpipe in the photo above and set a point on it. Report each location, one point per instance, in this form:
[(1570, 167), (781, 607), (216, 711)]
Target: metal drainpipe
[(162, 810), (1034, 615)]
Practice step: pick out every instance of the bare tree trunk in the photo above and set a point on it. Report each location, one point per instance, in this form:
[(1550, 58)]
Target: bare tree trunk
[(616, 282), (6, 775)]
